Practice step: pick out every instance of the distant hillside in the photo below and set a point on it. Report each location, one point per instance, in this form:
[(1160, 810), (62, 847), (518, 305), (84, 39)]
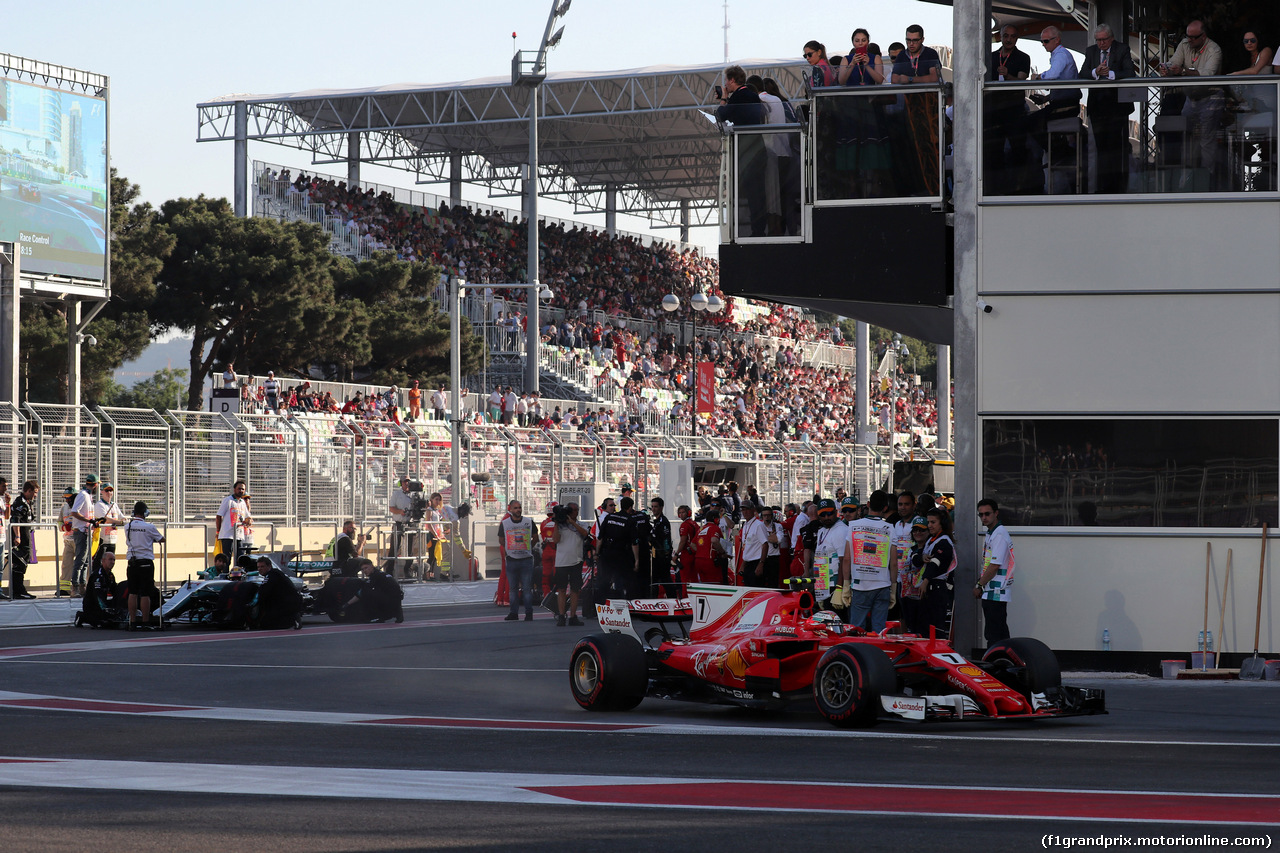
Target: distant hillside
[(175, 354)]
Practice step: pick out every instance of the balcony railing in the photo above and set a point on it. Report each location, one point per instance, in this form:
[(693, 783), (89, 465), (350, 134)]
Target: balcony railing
[(1133, 137), (1136, 139)]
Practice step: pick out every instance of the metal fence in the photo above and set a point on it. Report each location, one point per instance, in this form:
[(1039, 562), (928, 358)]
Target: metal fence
[(67, 446), (208, 462), (321, 468), (139, 458), (13, 446)]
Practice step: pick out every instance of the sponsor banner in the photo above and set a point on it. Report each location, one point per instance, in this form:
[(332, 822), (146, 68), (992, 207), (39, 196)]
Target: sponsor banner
[(706, 387)]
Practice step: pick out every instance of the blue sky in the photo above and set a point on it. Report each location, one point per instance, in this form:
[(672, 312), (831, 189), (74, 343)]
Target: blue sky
[(164, 58)]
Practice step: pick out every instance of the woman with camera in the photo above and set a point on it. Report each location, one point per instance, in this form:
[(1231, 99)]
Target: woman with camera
[(569, 537)]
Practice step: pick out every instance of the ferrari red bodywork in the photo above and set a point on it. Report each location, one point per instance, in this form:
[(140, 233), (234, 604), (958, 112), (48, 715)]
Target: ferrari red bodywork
[(768, 648)]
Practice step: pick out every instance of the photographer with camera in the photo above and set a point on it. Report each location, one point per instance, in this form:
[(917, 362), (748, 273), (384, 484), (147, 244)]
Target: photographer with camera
[(408, 508), (569, 537)]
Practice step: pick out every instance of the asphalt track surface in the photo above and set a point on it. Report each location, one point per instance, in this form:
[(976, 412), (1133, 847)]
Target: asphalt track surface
[(456, 730)]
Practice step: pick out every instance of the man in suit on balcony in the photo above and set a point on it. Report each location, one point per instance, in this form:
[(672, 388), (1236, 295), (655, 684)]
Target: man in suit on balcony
[(1109, 60)]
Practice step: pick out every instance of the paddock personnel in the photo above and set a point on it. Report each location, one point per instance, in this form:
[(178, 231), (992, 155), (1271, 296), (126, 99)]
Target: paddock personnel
[(569, 537), (109, 517), (68, 566), (83, 522), (5, 501), (517, 541), (233, 517), (997, 573), (22, 515), (140, 537)]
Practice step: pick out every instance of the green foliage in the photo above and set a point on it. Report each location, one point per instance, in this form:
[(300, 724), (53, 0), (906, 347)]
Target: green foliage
[(165, 389), (924, 353), (263, 285), (44, 350), (408, 335), (263, 294)]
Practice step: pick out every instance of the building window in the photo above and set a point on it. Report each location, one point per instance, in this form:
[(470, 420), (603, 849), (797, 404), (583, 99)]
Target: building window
[(1133, 472)]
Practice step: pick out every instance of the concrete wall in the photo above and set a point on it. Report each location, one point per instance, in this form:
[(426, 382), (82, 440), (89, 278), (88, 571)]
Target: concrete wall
[(1146, 589), (190, 549), (1130, 308)]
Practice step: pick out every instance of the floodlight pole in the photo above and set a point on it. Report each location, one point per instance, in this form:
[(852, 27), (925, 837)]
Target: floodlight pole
[(455, 388), (533, 335), (10, 286), (533, 79)]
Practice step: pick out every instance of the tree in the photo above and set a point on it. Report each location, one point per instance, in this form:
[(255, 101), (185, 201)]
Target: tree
[(265, 283), (163, 390), (408, 334), (382, 327), (922, 354)]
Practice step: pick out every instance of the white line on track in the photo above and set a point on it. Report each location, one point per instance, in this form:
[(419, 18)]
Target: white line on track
[(628, 723), (361, 668), (637, 791), (160, 640)]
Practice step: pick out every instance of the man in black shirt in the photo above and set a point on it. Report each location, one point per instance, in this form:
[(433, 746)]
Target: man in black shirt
[(380, 598), (662, 543), (347, 547), (741, 106), (279, 602), (640, 583), (21, 513), (1006, 121), (618, 551)]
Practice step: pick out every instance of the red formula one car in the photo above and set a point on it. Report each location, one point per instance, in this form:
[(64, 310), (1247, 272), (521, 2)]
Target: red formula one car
[(768, 649)]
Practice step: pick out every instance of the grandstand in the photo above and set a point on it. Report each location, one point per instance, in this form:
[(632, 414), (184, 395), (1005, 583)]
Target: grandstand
[(604, 341)]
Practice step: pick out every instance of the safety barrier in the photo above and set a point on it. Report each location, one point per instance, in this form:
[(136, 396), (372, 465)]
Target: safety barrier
[(306, 471)]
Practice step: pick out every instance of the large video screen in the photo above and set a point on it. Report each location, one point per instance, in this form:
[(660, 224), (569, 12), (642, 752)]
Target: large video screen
[(53, 178)]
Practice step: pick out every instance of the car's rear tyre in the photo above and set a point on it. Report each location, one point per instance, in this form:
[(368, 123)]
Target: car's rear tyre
[(608, 672), (1025, 664), (848, 683)]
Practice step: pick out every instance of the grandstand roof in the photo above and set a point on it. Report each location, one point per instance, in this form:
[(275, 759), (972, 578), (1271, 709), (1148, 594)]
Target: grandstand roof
[(646, 131)]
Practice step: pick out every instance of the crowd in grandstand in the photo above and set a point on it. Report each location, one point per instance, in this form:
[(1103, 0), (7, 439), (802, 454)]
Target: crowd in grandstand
[(583, 266), (765, 388)]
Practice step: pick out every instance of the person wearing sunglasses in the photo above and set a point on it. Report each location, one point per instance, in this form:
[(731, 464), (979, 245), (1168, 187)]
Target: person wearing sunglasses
[(916, 64), (1198, 55), (821, 73), (825, 542), (110, 520), (1260, 58), (996, 577)]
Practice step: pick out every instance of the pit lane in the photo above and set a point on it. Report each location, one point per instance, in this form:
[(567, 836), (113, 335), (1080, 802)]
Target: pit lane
[(457, 691)]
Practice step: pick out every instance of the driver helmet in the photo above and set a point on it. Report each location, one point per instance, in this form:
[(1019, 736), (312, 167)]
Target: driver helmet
[(821, 622)]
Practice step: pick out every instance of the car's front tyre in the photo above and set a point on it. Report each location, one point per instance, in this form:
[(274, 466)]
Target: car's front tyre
[(848, 683)]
